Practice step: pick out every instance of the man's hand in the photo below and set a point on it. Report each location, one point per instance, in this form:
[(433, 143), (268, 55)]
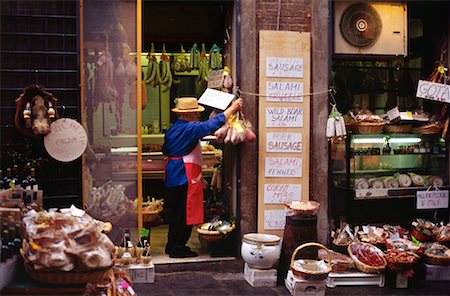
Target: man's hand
[(235, 107)]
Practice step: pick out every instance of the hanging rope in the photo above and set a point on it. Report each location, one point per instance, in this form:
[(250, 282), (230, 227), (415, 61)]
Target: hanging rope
[(286, 96)]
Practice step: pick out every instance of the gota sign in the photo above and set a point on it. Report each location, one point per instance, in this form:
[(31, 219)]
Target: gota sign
[(66, 141)]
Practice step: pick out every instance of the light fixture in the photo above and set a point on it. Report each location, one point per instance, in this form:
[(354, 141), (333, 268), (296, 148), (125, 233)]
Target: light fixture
[(405, 140), (383, 140)]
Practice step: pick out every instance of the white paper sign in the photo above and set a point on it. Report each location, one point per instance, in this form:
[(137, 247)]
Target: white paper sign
[(394, 113), (433, 199), (433, 91), (284, 67), (284, 117), (284, 142), (281, 167), (216, 99), (66, 141), (274, 219), (280, 91), (282, 193)]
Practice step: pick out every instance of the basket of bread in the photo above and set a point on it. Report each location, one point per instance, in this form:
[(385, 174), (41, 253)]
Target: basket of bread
[(66, 247), (363, 121), (302, 208), (311, 269)]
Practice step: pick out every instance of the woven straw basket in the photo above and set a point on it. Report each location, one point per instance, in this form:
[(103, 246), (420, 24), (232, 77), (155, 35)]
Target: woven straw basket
[(435, 259), (397, 128), (214, 235), (364, 267), (369, 127), (58, 277), (308, 274)]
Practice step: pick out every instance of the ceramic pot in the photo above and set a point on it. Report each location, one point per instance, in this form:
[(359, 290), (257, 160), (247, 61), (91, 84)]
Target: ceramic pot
[(260, 251)]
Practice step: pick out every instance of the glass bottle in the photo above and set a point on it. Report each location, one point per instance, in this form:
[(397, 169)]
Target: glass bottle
[(7, 179), (15, 177), (32, 180), (6, 252), (17, 238), (2, 184)]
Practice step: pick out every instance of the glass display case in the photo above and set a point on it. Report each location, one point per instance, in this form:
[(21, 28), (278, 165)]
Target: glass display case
[(377, 176)]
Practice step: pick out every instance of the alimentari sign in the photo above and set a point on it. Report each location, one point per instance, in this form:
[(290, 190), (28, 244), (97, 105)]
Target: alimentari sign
[(433, 91)]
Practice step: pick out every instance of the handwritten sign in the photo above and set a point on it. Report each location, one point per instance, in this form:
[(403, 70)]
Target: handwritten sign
[(283, 167), (433, 91), (437, 199), (280, 91), (282, 193), (274, 219), (284, 67), (216, 99), (284, 117), (215, 79), (284, 142), (66, 141)]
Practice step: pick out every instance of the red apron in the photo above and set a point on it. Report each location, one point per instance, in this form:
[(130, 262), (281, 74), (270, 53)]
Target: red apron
[(194, 202)]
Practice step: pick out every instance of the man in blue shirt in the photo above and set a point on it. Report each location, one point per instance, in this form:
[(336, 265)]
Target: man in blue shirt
[(183, 174)]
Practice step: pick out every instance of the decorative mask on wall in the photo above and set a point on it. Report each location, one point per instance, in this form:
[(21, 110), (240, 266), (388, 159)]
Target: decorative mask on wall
[(35, 110)]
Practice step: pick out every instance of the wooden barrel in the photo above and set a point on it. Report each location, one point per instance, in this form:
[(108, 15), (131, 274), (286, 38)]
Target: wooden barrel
[(298, 230)]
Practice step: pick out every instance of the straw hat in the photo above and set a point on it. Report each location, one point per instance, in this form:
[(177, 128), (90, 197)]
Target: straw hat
[(187, 105)]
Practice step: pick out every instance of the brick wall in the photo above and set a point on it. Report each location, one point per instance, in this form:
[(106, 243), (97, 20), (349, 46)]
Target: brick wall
[(295, 15)]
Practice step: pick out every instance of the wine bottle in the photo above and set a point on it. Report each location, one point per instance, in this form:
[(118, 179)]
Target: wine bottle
[(7, 179), (17, 240), (15, 177), (32, 180), (6, 253), (2, 184)]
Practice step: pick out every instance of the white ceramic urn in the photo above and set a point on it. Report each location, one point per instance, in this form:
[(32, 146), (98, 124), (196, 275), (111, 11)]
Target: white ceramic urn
[(260, 251)]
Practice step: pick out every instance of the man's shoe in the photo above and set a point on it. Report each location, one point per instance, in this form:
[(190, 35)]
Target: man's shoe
[(183, 254)]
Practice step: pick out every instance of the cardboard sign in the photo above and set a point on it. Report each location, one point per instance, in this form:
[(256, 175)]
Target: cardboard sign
[(284, 117), (66, 141), (280, 91), (433, 199), (281, 167), (433, 91), (284, 142), (215, 79), (284, 67), (216, 99), (274, 219), (282, 193)]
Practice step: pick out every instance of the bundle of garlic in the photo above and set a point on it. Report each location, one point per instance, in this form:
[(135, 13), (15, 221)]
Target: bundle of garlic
[(236, 130), (335, 126)]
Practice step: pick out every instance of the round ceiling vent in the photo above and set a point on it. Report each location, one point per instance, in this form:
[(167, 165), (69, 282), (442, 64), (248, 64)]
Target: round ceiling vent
[(360, 25)]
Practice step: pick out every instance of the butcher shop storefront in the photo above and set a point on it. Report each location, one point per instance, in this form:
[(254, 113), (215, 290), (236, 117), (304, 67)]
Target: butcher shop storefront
[(138, 58)]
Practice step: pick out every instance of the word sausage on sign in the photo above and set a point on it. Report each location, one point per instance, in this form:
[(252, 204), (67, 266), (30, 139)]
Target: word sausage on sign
[(284, 67), (432, 199), (279, 91), (284, 117), (282, 193), (274, 219), (284, 142), (280, 167), (433, 91)]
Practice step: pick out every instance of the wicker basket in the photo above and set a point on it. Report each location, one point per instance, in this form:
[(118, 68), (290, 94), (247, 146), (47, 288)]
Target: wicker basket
[(419, 236), (399, 266), (58, 277), (150, 216), (427, 130), (343, 249), (369, 127), (214, 235), (364, 267), (435, 259), (307, 274), (397, 129)]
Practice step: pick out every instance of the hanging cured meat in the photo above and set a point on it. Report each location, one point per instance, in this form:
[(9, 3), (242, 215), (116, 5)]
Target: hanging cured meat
[(104, 91)]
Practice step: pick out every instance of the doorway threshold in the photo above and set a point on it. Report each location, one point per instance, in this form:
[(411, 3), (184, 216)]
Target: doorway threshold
[(165, 259)]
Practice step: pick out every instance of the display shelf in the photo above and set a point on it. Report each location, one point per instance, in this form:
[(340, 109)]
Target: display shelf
[(387, 193)]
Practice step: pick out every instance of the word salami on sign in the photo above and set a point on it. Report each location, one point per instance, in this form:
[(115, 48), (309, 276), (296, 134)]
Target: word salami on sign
[(432, 199), (279, 91), (281, 193), (284, 67), (284, 142), (284, 117), (433, 91), (274, 219), (66, 141), (280, 167)]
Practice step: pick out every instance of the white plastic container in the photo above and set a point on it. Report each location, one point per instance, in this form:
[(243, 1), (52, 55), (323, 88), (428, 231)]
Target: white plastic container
[(260, 251)]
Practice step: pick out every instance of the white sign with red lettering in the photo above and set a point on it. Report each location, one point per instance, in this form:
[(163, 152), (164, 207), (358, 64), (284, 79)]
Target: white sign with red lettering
[(66, 141), (282, 193), (433, 199), (274, 219), (433, 91)]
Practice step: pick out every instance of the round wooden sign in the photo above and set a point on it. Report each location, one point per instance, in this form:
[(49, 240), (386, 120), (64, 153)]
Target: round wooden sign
[(66, 141)]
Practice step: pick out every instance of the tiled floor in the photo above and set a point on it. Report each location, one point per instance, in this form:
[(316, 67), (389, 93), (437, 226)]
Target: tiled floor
[(158, 237)]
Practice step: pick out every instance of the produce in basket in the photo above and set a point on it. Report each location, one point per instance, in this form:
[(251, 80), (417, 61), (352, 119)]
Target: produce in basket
[(401, 259), (367, 257), (423, 230)]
